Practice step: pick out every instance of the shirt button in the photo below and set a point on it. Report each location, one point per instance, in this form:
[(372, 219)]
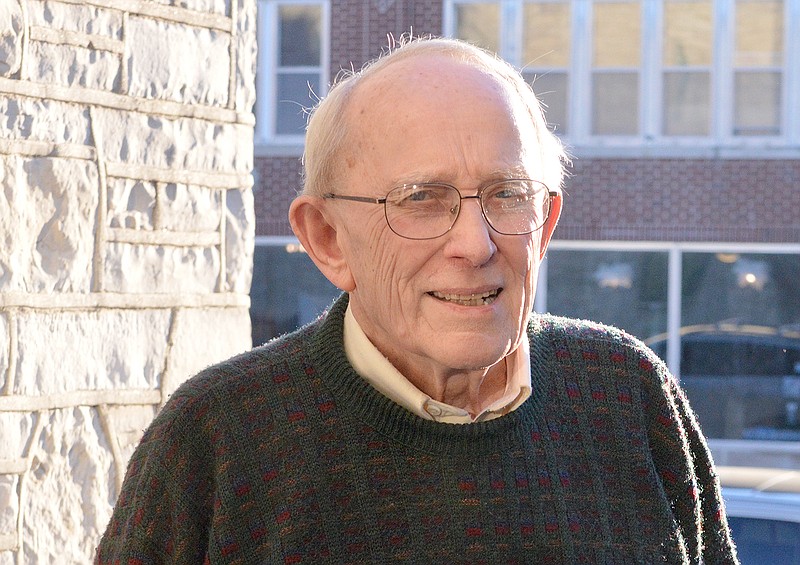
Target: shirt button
[(433, 410)]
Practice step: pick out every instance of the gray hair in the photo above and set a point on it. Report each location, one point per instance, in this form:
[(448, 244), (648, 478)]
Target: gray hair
[(328, 127)]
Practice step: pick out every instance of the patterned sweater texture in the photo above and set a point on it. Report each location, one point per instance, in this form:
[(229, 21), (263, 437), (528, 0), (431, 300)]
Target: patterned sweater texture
[(284, 455)]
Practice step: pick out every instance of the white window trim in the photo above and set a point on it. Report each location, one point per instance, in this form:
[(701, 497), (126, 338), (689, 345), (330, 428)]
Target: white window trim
[(267, 142)]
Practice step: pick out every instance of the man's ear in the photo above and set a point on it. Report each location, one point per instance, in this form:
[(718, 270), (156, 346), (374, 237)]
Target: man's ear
[(317, 232), (550, 225)]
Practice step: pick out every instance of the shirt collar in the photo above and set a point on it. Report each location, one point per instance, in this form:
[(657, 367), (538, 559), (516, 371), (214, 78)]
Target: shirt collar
[(376, 369)]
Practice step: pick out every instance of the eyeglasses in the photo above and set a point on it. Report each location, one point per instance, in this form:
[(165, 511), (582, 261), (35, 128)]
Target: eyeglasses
[(430, 210)]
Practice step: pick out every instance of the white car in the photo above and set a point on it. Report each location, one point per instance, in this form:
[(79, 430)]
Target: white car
[(763, 506)]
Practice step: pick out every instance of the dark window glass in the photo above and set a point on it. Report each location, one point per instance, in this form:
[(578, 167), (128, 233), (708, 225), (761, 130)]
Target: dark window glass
[(740, 343), (627, 289), (766, 541), (294, 100), (287, 291)]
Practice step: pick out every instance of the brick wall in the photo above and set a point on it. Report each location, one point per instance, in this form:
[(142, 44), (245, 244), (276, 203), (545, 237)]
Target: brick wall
[(720, 200), (127, 229), (278, 179)]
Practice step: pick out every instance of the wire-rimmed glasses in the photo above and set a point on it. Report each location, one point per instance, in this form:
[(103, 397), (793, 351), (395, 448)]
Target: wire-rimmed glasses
[(430, 210)]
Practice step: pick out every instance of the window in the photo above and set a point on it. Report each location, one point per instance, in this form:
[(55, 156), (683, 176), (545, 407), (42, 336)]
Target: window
[(727, 321), (293, 67), (673, 72), (627, 289), (288, 290)]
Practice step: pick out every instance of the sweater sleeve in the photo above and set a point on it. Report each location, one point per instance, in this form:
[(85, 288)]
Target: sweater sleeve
[(685, 467), (163, 510)]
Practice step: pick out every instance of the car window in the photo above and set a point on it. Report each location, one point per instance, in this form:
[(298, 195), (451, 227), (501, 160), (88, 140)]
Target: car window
[(762, 541)]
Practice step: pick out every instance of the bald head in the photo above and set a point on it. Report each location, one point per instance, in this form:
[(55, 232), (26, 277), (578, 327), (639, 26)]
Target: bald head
[(417, 71)]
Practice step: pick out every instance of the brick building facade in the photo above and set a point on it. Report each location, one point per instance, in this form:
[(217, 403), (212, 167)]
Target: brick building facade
[(682, 206)]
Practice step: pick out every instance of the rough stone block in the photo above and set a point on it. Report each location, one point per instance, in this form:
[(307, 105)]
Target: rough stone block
[(4, 347), (181, 207), (44, 120), (239, 240), (15, 433), (176, 62), (130, 203), (131, 268), (69, 65), (213, 6), (175, 143), (76, 17), (100, 350), (9, 504), (67, 487), (47, 226), (246, 58), (11, 33), (195, 348), (190, 208)]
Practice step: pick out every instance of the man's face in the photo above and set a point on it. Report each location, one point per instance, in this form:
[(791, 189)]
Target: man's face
[(432, 119)]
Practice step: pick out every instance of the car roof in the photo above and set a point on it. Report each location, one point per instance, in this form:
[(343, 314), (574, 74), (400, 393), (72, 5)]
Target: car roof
[(786, 335), (761, 492), (761, 479)]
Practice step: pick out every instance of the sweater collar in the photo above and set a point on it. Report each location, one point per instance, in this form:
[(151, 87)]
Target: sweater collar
[(364, 403), (377, 370)]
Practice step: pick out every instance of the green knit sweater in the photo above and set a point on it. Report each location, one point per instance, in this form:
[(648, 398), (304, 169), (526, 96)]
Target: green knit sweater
[(285, 455)]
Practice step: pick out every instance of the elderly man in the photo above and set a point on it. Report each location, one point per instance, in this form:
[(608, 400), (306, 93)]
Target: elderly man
[(428, 417)]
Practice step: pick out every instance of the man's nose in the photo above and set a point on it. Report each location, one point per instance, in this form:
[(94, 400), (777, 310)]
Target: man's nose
[(470, 237)]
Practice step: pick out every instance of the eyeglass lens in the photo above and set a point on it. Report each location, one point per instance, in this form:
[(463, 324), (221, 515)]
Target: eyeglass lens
[(426, 211)]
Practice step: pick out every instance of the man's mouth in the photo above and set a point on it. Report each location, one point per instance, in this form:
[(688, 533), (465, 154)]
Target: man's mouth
[(478, 299)]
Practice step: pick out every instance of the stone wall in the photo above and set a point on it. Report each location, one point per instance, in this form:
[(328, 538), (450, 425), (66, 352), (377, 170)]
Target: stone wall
[(126, 235)]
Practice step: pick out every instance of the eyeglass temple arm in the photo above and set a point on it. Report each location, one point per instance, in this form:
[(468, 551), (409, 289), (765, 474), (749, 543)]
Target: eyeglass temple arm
[(333, 196)]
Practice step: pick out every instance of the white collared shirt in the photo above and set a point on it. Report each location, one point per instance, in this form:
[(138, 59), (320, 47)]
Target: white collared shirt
[(376, 369)]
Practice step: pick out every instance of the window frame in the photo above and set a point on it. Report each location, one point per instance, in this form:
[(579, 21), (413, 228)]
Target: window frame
[(266, 139)]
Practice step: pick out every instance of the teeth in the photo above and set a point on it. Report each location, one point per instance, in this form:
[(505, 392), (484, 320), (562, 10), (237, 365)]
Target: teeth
[(468, 299)]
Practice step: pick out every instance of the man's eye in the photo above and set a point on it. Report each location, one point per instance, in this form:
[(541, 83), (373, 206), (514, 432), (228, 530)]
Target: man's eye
[(416, 195), (420, 195), (510, 195)]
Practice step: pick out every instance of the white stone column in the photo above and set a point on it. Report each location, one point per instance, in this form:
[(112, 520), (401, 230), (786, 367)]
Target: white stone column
[(126, 241)]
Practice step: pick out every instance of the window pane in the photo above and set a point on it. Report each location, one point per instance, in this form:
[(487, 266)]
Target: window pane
[(760, 540), (300, 35), (759, 33), (287, 291), (627, 289), (757, 101), (617, 34), (293, 99), (551, 89), (688, 33), (546, 35), (686, 103), (740, 343), (479, 24), (616, 104)]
